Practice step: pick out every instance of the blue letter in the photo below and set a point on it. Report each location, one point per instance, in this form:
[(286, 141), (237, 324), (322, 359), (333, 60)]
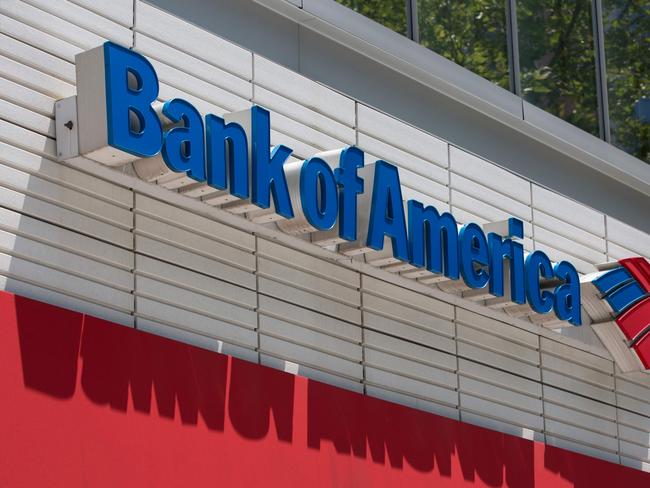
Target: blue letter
[(122, 100), (435, 234), (515, 253), (268, 171), (567, 296), (538, 263), (473, 249), (387, 211), (350, 161), (227, 153), (183, 147), (321, 214)]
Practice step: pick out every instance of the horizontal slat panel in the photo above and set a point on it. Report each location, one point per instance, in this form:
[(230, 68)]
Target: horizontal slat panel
[(496, 344), (628, 237), (200, 283), (402, 159), (402, 135), (309, 319), (65, 261), (569, 246), (26, 118), (489, 175), (35, 79), (304, 91), (307, 281), (560, 380), (307, 263), (42, 61), (194, 302), (579, 403), (560, 228), (54, 214), (407, 315), (491, 197), (27, 139), (193, 261), (501, 412), (497, 360), (194, 322), (470, 369), (39, 39), (309, 300), (409, 332), (67, 283), (415, 352), (87, 19), (194, 222), (309, 338), (281, 105), (476, 207), (195, 41), (407, 297), (69, 198), (570, 416), (577, 371), (497, 328), (51, 24), (584, 436), (120, 11), (409, 386), (192, 242), (197, 87), (64, 175), (410, 369), (569, 211), (26, 97), (193, 66), (60, 237), (583, 357)]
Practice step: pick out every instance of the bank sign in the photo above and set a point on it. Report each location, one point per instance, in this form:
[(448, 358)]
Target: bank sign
[(119, 123)]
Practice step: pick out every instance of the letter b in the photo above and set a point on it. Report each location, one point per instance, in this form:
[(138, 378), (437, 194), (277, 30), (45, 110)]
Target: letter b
[(126, 98)]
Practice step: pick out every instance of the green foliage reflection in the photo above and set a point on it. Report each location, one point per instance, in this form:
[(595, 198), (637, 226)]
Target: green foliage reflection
[(471, 33), (627, 54), (391, 13), (556, 52)]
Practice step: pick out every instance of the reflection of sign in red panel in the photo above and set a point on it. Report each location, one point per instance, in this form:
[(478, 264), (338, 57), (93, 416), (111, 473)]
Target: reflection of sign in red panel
[(635, 322)]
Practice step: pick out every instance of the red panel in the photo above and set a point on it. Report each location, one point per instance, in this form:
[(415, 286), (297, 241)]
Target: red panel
[(639, 268), (636, 319), (89, 403)]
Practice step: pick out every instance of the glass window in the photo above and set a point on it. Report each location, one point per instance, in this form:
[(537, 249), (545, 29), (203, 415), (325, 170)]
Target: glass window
[(391, 13), (557, 58), (627, 57), (471, 33)]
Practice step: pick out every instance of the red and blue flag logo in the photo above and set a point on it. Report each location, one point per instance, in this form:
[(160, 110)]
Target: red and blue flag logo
[(626, 289)]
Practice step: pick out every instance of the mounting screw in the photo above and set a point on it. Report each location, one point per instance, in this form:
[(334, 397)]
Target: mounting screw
[(69, 124)]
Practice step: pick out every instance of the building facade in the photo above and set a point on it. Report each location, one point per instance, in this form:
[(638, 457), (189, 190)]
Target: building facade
[(163, 326)]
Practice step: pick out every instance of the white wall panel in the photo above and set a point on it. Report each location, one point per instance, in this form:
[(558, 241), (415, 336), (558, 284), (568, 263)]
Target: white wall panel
[(312, 95), (193, 40), (401, 135)]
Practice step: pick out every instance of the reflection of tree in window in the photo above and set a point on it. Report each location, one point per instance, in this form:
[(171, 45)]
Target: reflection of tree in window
[(627, 54), (557, 59), (471, 33), (391, 13)]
